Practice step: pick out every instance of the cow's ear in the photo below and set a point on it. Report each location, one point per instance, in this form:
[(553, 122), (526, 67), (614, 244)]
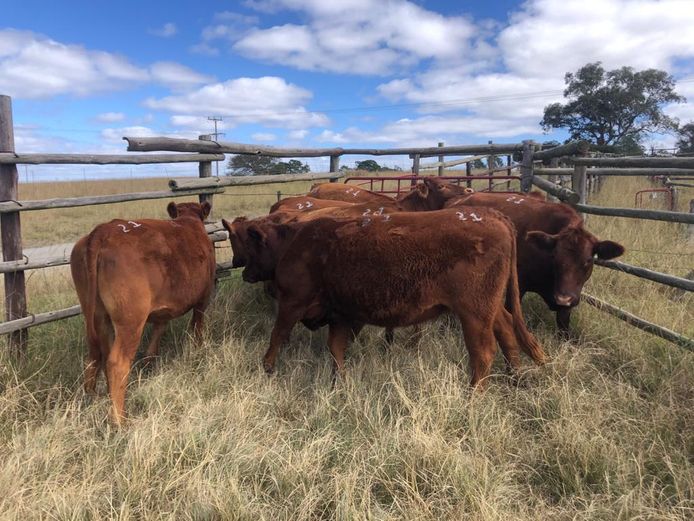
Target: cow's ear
[(256, 234), (422, 190), (206, 209), (606, 250), (542, 240), (172, 210), (228, 226)]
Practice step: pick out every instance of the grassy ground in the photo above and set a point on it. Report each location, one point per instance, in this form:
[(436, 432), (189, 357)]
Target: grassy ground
[(604, 431)]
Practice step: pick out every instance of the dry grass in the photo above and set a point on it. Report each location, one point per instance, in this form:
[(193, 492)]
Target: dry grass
[(604, 431)]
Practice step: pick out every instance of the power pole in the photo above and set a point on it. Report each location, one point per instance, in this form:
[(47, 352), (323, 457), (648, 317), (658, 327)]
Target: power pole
[(216, 134)]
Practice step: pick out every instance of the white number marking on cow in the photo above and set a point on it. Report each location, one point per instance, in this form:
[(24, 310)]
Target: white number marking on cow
[(473, 215), (125, 228), (367, 212), (513, 199), (309, 204), (386, 218), (352, 191), (366, 222), (379, 211)]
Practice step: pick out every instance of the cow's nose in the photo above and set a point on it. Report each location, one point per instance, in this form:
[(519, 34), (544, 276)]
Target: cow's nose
[(566, 300)]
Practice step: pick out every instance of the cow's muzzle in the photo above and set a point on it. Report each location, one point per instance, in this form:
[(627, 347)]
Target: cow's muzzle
[(249, 277), (567, 300)]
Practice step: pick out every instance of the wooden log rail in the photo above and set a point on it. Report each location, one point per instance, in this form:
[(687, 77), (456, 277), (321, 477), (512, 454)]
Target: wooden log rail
[(569, 149), (640, 323), (215, 232), (155, 144), (636, 162), (72, 311), (194, 183), (103, 159), (564, 194), (619, 171), (72, 202), (663, 278)]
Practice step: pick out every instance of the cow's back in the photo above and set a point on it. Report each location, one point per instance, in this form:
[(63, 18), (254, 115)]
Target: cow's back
[(346, 192)]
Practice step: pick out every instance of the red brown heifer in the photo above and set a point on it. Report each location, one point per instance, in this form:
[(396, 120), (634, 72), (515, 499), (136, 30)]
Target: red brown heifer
[(128, 273), (555, 251), (391, 273)]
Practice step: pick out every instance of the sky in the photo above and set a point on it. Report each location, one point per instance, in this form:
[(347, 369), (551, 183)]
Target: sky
[(316, 73)]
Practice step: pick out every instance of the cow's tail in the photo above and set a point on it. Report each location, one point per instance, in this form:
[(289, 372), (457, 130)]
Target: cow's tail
[(526, 339), (91, 257)]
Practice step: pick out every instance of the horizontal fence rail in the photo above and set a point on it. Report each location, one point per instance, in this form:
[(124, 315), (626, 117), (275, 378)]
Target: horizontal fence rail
[(72, 202), (190, 183), (103, 159), (638, 162), (640, 323), (624, 172), (644, 273), (153, 144)]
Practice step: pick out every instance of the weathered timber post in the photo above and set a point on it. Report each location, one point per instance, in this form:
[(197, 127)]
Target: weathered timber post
[(468, 173), (205, 170), (440, 170), (526, 167), (279, 195), (578, 182), (11, 230), (508, 164), (415, 167), (690, 227), (334, 165), (553, 163)]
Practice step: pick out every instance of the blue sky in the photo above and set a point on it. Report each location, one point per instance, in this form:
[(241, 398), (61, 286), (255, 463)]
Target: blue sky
[(317, 73)]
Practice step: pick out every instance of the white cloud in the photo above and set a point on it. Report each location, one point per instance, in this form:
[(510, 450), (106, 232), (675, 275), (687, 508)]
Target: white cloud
[(357, 36), (166, 31), (176, 76), (110, 117), (263, 136), (298, 135), (116, 134), (34, 66), (268, 100)]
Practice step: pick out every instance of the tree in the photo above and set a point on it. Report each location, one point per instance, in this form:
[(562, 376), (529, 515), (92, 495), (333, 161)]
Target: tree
[(606, 107), (685, 143), (369, 165), (264, 165), (630, 146)]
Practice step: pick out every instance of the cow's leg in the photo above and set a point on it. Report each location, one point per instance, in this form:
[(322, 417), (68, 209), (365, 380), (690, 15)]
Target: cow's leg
[(354, 331), (564, 320), (158, 329), (338, 340), (97, 351), (287, 316), (505, 335), (125, 343), (389, 336), (197, 321), (481, 346)]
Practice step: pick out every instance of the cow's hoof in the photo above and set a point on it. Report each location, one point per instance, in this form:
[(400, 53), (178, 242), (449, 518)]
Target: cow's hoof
[(269, 368)]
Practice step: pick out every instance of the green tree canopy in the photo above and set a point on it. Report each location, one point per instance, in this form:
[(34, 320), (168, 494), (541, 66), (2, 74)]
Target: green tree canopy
[(369, 165), (264, 165), (606, 107), (685, 143)]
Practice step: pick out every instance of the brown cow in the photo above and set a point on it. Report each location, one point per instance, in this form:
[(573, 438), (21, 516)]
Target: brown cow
[(555, 251), (128, 273), (305, 203), (348, 193), (396, 272)]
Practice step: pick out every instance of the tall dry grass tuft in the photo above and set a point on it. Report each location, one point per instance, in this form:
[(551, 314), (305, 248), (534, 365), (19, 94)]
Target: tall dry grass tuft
[(604, 431)]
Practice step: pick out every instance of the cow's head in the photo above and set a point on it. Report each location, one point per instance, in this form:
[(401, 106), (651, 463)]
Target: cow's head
[(440, 191), (201, 211), (573, 251), (257, 245), (237, 238)]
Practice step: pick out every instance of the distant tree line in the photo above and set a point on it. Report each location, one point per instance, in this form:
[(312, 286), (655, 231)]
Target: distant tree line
[(264, 165)]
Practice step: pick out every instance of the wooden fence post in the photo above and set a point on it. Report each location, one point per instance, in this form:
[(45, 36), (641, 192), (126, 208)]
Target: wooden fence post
[(415, 164), (526, 167), (690, 227), (334, 165), (440, 171), (205, 170), (468, 173), (15, 287), (553, 163)]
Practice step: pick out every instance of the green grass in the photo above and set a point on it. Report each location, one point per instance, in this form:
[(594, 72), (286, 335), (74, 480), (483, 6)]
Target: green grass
[(604, 431)]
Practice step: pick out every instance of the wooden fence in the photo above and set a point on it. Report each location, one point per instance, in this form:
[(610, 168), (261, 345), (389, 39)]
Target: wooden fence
[(204, 152)]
